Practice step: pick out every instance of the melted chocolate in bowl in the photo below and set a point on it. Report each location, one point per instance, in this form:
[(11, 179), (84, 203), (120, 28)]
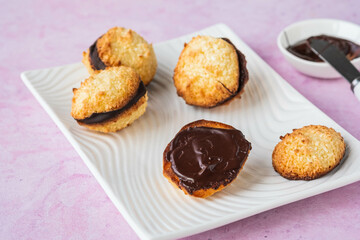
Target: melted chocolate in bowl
[(205, 157), (303, 50), (102, 117)]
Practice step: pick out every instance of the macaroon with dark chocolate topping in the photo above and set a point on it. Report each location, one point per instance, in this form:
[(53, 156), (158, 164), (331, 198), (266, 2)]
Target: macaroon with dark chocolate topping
[(121, 46), (204, 157), (109, 100), (210, 71)]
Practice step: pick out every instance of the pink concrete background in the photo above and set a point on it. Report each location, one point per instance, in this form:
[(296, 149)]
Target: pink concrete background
[(46, 191)]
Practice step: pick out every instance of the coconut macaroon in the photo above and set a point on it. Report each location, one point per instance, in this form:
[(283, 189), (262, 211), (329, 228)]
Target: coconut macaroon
[(121, 46), (308, 153), (210, 71), (109, 99), (204, 157)]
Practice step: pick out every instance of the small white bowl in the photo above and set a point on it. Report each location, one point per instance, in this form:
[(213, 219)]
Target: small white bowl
[(305, 29)]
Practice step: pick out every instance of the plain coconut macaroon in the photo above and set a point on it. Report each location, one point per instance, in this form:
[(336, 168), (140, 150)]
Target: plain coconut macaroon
[(308, 153), (122, 47), (204, 157), (109, 100), (210, 71)]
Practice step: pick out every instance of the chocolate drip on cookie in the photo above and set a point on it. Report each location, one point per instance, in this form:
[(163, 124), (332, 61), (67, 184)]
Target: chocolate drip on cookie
[(204, 157), (105, 116), (243, 73), (95, 60)]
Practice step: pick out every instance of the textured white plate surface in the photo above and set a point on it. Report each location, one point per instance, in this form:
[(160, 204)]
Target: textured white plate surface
[(128, 164)]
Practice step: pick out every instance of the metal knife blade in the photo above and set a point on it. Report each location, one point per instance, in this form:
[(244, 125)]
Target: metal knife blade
[(337, 59)]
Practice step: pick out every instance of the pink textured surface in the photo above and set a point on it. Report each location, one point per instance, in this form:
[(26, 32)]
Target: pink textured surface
[(46, 191)]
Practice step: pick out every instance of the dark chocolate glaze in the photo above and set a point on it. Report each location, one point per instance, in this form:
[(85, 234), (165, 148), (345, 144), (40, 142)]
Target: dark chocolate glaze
[(102, 117), (95, 60), (303, 50), (204, 157)]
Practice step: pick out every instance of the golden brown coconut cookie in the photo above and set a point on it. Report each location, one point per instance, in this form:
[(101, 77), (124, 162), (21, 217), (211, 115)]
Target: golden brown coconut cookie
[(204, 157), (121, 46), (109, 100), (210, 71), (308, 153)]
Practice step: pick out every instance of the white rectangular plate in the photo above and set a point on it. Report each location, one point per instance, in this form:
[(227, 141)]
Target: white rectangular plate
[(128, 164)]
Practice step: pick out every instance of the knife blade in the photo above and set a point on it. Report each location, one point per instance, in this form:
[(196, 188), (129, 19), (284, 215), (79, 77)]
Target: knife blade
[(336, 58)]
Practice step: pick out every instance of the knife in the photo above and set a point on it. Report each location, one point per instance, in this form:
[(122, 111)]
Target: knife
[(336, 58)]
